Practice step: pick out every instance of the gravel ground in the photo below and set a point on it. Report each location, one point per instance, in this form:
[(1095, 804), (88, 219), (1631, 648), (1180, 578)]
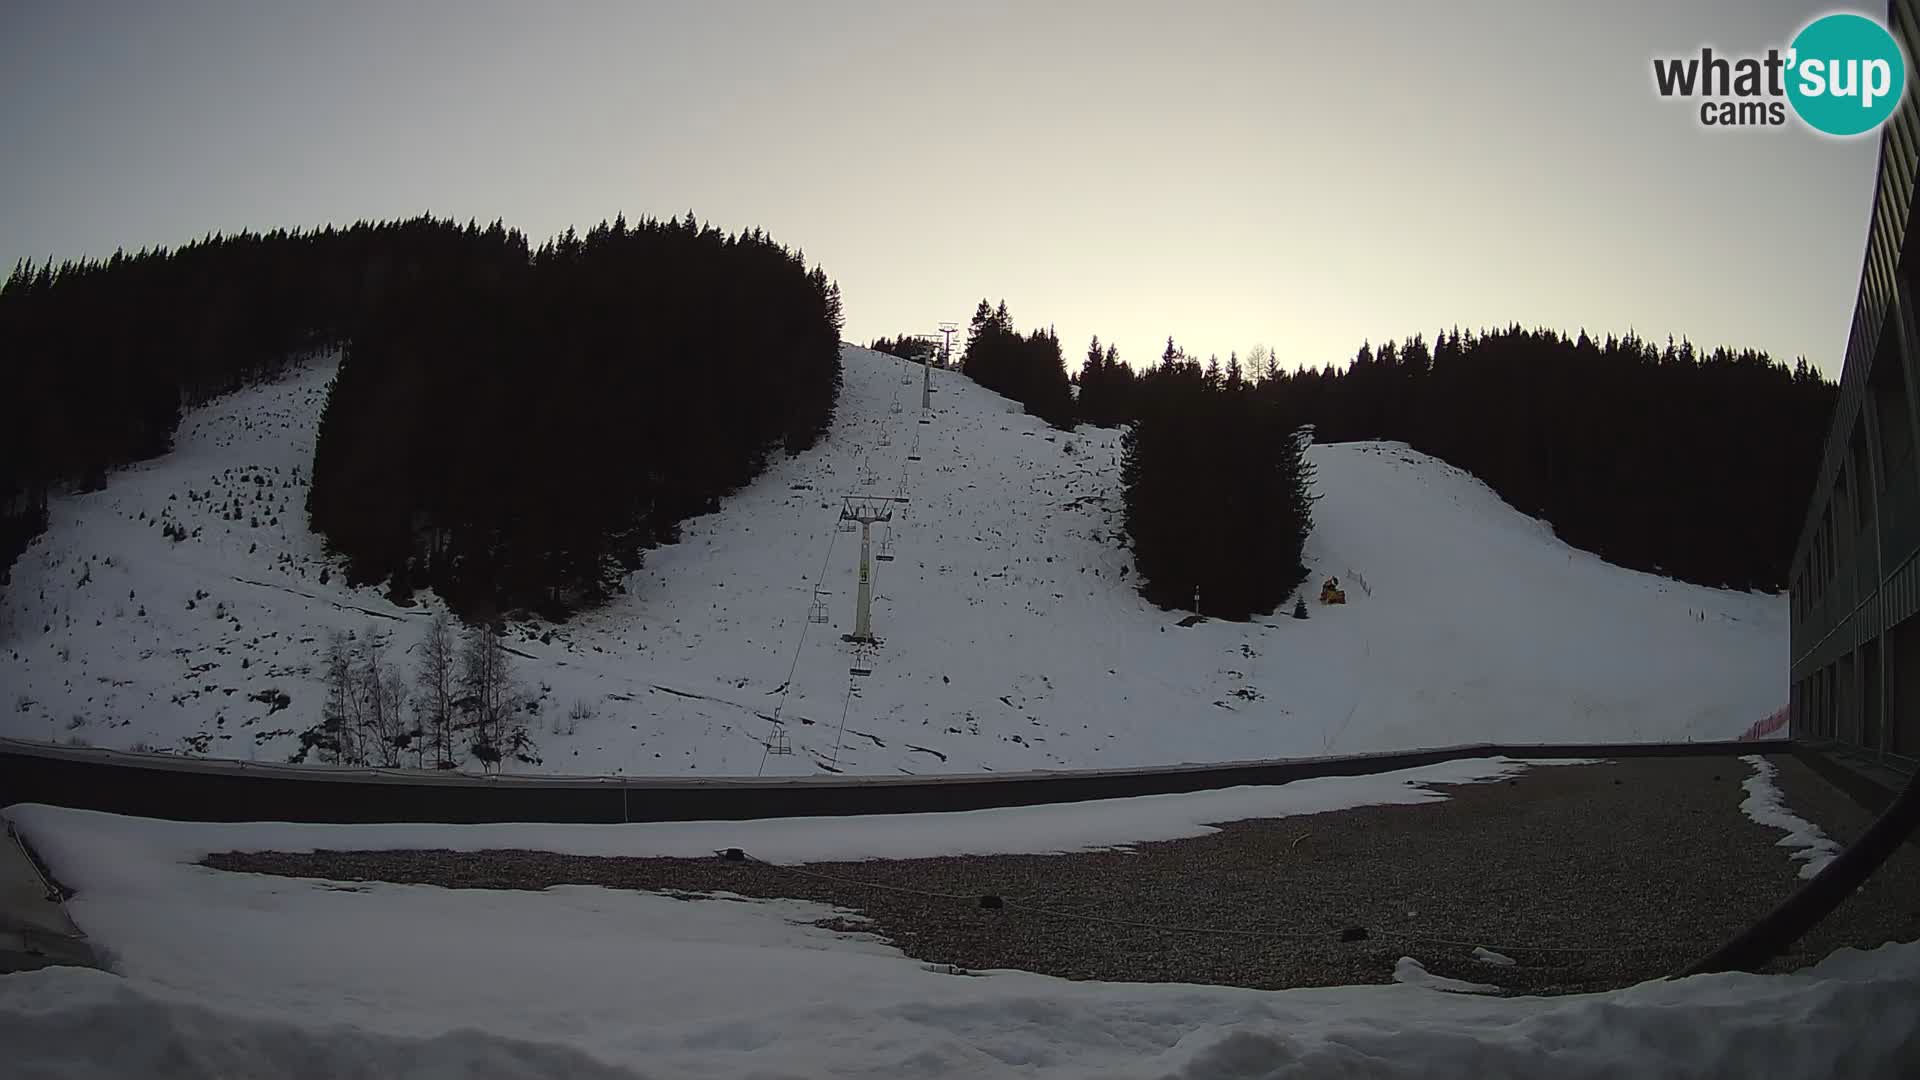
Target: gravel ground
[(1887, 907), (1591, 877)]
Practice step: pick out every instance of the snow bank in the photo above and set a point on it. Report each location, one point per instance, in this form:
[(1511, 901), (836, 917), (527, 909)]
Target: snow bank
[(1764, 803), (81, 1024), (1849, 1017)]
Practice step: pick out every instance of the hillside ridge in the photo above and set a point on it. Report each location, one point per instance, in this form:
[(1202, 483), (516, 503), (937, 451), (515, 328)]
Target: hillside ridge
[(1012, 634)]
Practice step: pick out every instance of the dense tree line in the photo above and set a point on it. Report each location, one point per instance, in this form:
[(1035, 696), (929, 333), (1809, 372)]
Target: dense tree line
[(1027, 368), (908, 347), (515, 434), (99, 356), (512, 426), (1216, 482), (1106, 387), (1688, 463)]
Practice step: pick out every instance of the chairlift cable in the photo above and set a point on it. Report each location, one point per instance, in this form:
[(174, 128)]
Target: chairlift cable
[(845, 708), (833, 537)]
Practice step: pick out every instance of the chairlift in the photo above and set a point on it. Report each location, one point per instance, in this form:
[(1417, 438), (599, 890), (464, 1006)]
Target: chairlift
[(885, 554), (779, 743), (913, 457), (817, 611)]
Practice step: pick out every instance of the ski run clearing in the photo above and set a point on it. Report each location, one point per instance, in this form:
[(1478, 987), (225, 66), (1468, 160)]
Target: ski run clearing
[(1012, 636)]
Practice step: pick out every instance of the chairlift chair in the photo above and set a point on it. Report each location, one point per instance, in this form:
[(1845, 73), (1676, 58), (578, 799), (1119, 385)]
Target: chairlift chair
[(817, 611), (779, 743)]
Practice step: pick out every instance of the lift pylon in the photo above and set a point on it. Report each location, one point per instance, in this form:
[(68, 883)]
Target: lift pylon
[(947, 330), (868, 513)]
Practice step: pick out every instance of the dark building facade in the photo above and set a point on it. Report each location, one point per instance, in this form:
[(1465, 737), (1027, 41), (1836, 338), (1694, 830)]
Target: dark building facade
[(1855, 582)]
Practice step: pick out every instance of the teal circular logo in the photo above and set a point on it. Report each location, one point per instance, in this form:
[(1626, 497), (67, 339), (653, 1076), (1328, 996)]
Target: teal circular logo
[(1845, 74)]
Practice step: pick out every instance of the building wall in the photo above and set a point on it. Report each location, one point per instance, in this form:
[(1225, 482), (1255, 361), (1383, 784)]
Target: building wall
[(1855, 583)]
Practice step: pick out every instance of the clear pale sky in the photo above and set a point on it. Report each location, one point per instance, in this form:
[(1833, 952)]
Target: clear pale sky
[(1305, 175)]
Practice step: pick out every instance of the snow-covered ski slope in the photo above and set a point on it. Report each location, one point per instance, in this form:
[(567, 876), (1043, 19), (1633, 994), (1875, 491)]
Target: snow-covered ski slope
[(1012, 636)]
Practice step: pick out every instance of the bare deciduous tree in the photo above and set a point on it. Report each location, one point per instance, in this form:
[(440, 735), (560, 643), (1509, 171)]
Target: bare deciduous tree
[(1260, 363), (382, 694), (488, 695), (437, 680), (339, 720)]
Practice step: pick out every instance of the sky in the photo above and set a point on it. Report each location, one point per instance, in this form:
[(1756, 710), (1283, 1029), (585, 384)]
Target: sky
[(1299, 175)]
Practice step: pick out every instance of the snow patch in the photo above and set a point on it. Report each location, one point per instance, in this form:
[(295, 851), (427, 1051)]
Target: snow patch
[(1412, 972), (1765, 804), (80, 838)]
